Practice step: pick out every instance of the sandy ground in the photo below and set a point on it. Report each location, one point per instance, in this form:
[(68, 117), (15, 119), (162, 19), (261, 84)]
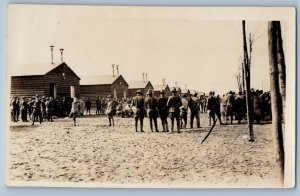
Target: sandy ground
[(94, 152)]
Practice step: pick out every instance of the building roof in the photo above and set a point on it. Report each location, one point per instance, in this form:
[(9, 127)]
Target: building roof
[(138, 84), (159, 87), (98, 79), (37, 69)]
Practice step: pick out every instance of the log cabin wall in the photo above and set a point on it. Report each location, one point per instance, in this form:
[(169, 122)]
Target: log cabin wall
[(27, 86), (94, 91)]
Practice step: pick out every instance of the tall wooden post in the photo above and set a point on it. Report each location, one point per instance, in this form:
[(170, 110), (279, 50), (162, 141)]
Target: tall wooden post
[(281, 67), (243, 75), (276, 102), (247, 81)]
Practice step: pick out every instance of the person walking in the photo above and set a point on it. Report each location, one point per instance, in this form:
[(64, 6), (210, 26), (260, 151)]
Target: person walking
[(75, 110)]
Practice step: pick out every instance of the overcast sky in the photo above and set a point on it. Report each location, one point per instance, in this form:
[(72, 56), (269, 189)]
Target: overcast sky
[(171, 44)]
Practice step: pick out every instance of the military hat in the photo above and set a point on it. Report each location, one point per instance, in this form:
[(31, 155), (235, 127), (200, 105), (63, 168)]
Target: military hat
[(162, 92), (149, 92), (109, 96), (174, 89), (195, 94), (139, 92)]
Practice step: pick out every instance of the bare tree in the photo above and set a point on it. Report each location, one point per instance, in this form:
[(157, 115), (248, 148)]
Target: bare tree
[(247, 62), (276, 101)]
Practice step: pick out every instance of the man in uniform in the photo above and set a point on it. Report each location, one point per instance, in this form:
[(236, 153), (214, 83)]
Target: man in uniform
[(239, 105), (24, 108), (163, 110), (151, 106), (14, 108), (37, 113), (211, 107), (88, 106), (98, 106), (50, 109), (195, 109), (138, 105), (111, 109), (184, 111), (229, 106), (174, 103)]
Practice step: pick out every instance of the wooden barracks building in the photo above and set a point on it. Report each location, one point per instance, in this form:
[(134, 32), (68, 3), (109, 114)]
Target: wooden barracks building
[(102, 86), (49, 80), (144, 86), (158, 88)]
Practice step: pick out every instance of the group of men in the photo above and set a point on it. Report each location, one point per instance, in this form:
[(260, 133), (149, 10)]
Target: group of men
[(232, 106), (229, 107), (36, 108), (163, 107)]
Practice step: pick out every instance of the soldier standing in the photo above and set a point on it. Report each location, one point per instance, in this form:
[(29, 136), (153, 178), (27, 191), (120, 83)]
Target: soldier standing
[(37, 113), (151, 106), (184, 111), (239, 104), (218, 108), (211, 107), (18, 105), (82, 104), (88, 106), (49, 108), (195, 109), (111, 110), (163, 110), (24, 108), (98, 106), (229, 106), (138, 107), (174, 103)]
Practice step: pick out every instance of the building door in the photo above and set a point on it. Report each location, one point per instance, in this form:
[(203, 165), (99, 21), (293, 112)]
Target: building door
[(115, 93), (53, 90), (72, 93), (125, 95)]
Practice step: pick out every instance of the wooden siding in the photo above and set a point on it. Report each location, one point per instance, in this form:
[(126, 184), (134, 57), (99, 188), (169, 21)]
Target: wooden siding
[(27, 86), (132, 92), (95, 91), (63, 85)]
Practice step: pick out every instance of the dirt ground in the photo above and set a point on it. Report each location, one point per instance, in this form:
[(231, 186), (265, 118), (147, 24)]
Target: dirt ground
[(94, 153)]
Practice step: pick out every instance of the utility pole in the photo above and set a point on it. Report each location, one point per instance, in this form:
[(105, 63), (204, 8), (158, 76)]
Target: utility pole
[(247, 81)]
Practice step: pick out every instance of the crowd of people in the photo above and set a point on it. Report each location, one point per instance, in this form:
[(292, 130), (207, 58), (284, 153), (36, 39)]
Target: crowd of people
[(224, 109)]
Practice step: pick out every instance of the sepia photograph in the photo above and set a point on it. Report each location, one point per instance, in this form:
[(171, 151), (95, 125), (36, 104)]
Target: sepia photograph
[(151, 97)]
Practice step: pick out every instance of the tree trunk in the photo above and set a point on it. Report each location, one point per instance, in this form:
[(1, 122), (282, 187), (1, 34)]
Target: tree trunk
[(247, 81), (276, 101), (281, 68)]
